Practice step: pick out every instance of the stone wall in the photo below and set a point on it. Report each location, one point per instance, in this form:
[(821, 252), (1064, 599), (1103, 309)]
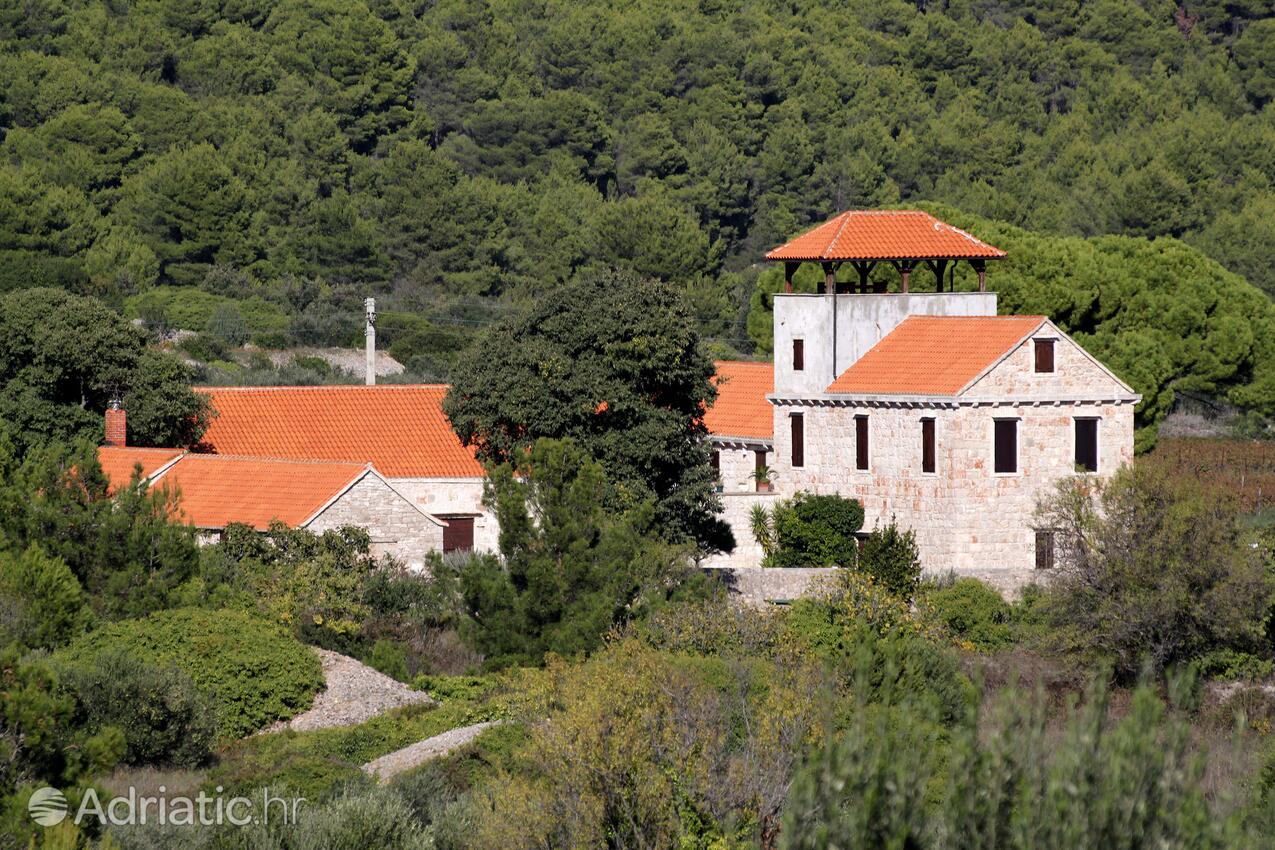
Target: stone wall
[(737, 512), (761, 586), (453, 496), (395, 525), (736, 465), (967, 517)]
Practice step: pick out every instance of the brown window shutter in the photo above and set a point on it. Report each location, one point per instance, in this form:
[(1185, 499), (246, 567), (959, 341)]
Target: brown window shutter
[(861, 443), (798, 422), (1044, 355), (458, 536), (927, 445), (798, 355), (1006, 448), (1044, 550), (1087, 444), (717, 463)]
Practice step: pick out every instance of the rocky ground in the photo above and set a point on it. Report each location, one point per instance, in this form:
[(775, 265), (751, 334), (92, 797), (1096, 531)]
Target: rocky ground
[(354, 693), (390, 765)]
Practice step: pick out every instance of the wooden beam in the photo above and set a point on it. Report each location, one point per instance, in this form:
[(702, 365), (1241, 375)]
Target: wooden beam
[(980, 266)]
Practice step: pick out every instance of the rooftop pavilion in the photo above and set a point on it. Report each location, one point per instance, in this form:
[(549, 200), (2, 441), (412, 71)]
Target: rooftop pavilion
[(902, 238)]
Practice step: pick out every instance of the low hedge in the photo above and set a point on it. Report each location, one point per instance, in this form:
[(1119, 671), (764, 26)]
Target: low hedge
[(254, 671)]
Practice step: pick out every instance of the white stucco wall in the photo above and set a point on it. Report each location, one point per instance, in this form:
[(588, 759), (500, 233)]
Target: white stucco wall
[(395, 525), (862, 320), (459, 496)]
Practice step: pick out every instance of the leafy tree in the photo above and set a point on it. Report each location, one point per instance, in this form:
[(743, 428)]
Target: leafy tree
[(124, 548), (816, 531), (63, 358), (43, 602), (613, 362), (1153, 570), (890, 556), (572, 567)]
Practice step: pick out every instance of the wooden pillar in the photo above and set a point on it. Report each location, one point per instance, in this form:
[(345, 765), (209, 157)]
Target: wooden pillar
[(864, 268), (980, 266), (790, 269), (830, 278), (938, 267), (905, 273)]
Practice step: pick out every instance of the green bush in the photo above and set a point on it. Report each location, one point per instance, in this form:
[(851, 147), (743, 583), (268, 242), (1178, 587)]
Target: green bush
[(816, 531), (368, 818), (188, 308), (227, 324), (45, 603), (971, 611), (389, 658), (164, 718), (890, 556), (255, 672)]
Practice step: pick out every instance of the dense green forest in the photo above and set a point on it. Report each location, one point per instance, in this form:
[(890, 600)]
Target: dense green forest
[(284, 160)]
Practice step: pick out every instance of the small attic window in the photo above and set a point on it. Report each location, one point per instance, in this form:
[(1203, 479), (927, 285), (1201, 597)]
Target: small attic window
[(1044, 355), (798, 355)]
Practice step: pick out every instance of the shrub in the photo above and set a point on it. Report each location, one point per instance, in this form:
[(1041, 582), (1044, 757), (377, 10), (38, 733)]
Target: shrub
[(890, 556), (368, 818), (46, 601), (164, 718), (227, 325), (816, 531), (1154, 569), (254, 671), (971, 611), (389, 658)]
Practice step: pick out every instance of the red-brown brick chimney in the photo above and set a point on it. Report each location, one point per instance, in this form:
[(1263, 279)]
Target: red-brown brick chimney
[(116, 425)]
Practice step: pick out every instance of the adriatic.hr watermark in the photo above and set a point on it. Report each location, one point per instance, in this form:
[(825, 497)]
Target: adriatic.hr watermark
[(48, 807)]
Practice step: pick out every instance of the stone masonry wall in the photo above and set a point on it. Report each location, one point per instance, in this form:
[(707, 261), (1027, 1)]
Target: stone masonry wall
[(966, 517), (737, 512), (460, 496), (396, 527), (735, 468)]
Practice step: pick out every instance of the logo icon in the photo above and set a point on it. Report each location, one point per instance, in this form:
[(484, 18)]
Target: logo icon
[(47, 806)]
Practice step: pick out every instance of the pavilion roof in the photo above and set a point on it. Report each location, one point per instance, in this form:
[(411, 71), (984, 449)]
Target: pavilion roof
[(885, 235)]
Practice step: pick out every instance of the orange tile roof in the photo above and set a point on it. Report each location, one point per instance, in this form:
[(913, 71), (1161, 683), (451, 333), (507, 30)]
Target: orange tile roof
[(118, 462), (884, 235), (216, 490), (934, 355), (741, 409), (399, 428)]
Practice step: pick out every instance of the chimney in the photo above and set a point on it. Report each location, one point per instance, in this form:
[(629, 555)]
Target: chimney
[(369, 342), (116, 425)]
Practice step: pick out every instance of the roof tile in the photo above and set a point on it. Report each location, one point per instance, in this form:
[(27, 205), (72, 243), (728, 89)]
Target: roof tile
[(884, 235), (934, 355), (118, 462), (216, 490), (398, 428), (741, 409)]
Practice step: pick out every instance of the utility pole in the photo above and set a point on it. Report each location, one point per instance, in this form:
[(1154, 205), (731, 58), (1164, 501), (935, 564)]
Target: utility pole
[(369, 335)]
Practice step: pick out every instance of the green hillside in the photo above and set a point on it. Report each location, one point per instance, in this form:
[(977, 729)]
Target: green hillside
[(454, 157)]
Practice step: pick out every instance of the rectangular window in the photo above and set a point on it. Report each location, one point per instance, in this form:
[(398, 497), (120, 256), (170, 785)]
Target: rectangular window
[(1087, 445), (798, 422), (1006, 445), (1044, 355), (1044, 550), (861, 443), (927, 445), (717, 464), (798, 355), (760, 471), (458, 535)]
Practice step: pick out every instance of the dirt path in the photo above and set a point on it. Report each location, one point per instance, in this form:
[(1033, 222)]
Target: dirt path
[(354, 693), (392, 764)]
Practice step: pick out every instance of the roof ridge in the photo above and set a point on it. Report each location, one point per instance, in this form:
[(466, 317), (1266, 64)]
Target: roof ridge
[(313, 461), (321, 387)]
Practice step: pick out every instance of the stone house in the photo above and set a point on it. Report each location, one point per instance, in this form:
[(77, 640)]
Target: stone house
[(928, 407), (399, 429), (214, 491)]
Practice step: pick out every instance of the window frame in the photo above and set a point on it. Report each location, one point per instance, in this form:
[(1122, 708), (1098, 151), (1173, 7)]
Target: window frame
[(799, 355), (1040, 344), (797, 440), (1017, 458), (1049, 536), (862, 443), (929, 445), (1097, 444)]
